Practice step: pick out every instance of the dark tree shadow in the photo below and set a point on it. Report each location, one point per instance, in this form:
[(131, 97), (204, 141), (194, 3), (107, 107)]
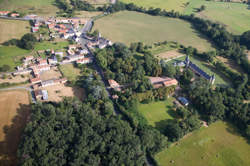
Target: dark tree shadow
[(161, 125), (13, 132)]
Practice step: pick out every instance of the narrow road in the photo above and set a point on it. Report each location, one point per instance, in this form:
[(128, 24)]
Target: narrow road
[(17, 88), (87, 27)]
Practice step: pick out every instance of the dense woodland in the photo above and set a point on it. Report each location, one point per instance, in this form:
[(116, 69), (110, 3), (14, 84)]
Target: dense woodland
[(86, 133)]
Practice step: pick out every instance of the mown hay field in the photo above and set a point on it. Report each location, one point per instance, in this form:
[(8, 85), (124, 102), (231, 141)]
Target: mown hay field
[(128, 27), (14, 111), (41, 7), (13, 29), (219, 144)]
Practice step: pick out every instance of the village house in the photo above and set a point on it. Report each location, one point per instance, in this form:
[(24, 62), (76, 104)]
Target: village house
[(35, 29), (42, 62), (114, 85), (53, 82), (53, 60), (4, 13), (22, 72), (84, 51), (74, 57), (41, 94), (38, 94), (72, 47), (59, 54), (158, 82), (14, 15), (71, 52), (84, 61), (35, 80)]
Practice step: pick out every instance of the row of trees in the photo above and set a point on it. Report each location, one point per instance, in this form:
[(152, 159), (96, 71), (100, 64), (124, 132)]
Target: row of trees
[(27, 41)]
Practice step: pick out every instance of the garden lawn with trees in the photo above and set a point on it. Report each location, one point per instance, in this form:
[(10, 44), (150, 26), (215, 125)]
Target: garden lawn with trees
[(128, 27), (219, 144), (157, 111), (11, 56)]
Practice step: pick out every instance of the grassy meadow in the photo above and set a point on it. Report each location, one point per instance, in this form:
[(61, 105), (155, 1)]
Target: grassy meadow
[(235, 16), (11, 56), (218, 145), (41, 7), (177, 5), (13, 29), (157, 112), (127, 27)]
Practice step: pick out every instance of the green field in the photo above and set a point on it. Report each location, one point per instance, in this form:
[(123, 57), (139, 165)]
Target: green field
[(176, 5), (157, 112), (11, 56), (218, 145), (130, 27), (41, 7), (70, 72), (235, 16), (13, 29)]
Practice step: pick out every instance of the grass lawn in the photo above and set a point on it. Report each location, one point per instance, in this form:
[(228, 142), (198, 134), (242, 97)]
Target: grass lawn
[(11, 56), (13, 29), (127, 27), (14, 110), (218, 145), (157, 112), (219, 79), (70, 72), (41, 7), (176, 5), (163, 48), (51, 45), (235, 16)]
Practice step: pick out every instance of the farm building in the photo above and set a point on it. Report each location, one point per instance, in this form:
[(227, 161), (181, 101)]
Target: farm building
[(158, 82), (198, 70), (114, 85), (35, 80), (84, 61)]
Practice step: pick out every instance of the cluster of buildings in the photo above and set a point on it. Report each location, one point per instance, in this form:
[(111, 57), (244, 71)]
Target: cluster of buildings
[(77, 54), (198, 71), (9, 13), (98, 42), (189, 64), (67, 28), (114, 85)]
